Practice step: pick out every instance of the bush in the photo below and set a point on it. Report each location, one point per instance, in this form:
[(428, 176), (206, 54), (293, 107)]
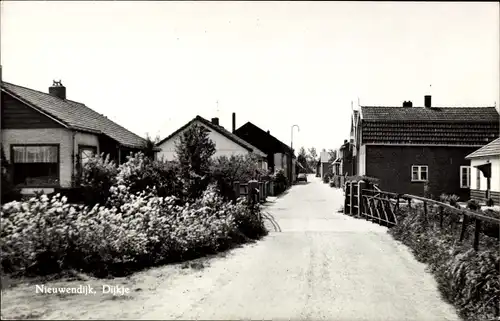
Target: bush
[(45, 235), (280, 181), (467, 278), (140, 173), (473, 205), (9, 191), (366, 179), (97, 177), (227, 170), (450, 199), (193, 151), (326, 177)]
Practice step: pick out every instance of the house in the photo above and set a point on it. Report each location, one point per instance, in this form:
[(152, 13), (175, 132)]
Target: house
[(326, 166), (279, 155), (415, 148), (226, 143), (48, 138), (347, 159), (483, 174)]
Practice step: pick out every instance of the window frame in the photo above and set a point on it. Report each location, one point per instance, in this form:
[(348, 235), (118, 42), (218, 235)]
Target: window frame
[(80, 149), (419, 173), (468, 176), (58, 162), (478, 179)]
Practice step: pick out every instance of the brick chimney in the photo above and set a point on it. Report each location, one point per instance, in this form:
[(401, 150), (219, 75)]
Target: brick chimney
[(234, 122), (215, 121), (57, 90), (427, 101), (407, 104), (268, 132)]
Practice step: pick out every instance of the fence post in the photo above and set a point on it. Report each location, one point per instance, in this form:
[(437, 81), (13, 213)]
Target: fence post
[(350, 197), (409, 203), (346, 195), (464, 227), (361, 186), (236, 189), (253, 194), (425, 214), (477, 231), (441, 214)]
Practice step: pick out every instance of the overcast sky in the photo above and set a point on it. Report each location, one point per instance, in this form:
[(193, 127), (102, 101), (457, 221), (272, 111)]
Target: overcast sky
[(153, 66)]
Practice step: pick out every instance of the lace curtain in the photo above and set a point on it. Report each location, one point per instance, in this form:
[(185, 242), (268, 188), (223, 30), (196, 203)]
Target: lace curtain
[(35, 154)]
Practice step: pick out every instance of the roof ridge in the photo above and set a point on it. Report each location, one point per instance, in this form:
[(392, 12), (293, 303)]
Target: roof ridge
[(456, 107), (42, 92)]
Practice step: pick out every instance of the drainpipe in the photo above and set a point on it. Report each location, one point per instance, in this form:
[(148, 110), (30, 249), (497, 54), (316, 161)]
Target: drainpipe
[(73, 157)]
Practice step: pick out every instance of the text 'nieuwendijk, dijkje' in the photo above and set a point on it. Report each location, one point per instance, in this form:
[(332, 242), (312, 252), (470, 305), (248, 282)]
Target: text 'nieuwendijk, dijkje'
[(83, 289)]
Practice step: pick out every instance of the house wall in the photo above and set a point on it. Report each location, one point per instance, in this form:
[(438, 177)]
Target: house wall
[(223, 145), (361, 160), (392, 165), (59, 136), (495, 173)]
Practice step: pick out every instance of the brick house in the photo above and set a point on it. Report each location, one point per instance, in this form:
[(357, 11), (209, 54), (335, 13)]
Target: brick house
[(226, 143), (410, 147), (483, 174), (47, 138), (279, 155)]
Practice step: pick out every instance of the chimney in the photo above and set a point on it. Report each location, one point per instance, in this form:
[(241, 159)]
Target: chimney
[(268, 132), (234, 122), (57, 90), (407, 104), (215, 121), (427, 101)]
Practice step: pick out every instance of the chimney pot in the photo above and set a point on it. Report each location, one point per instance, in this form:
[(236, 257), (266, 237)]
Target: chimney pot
[(268, 132), (427, 101), (234, 122), (215, 121), (407, 104), (57, 90)]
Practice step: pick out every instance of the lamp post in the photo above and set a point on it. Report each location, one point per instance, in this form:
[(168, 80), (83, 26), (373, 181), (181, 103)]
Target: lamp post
[(290, 171)]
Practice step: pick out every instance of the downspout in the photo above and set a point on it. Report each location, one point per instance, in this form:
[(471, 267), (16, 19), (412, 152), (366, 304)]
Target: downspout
[(73, 157)]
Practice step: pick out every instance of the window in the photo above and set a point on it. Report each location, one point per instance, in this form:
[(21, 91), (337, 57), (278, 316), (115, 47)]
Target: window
[(35, 165), (84, 153), (464, 176), (419, 173), (478, 179)]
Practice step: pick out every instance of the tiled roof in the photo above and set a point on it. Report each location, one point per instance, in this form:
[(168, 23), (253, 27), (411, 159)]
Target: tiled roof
[(453, 114), (74, 115), (221, 130), (491, 149), (281, 147), (430, 126)]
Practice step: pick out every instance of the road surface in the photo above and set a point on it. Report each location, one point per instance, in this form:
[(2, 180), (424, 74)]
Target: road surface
[(317, 265)]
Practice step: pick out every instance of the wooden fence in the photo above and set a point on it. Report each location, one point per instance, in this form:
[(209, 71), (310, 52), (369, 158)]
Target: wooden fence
[(381, 206), (261, 190)]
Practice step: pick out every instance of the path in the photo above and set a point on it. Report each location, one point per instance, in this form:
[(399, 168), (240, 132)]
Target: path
[(322, 265)]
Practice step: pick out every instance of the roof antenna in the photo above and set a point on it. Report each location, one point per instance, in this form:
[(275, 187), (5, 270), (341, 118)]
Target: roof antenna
[(359, 103), (217, 102)]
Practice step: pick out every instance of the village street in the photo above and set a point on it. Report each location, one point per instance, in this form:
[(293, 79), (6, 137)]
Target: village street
[(319, 264)]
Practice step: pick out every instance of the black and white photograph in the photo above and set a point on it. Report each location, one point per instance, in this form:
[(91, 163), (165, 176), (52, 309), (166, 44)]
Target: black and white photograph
[(250, 160)]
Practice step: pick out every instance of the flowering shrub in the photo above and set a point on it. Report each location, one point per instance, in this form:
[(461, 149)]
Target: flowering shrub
[(467, 278), (141, 172), (44, 235), (97, 177)]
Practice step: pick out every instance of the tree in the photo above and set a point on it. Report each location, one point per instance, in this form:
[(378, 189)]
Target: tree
[(302, 159), (313, 157), (333, 154), (149, 146), (194, 150)]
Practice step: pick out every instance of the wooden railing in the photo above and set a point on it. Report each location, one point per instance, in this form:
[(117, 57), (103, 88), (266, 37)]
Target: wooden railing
[(381, 206)]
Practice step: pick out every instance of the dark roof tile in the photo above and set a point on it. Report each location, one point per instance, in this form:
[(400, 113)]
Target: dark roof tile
[(74, 115)]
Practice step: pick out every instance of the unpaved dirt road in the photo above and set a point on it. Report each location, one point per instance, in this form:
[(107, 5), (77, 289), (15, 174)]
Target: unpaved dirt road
[(319, 264)]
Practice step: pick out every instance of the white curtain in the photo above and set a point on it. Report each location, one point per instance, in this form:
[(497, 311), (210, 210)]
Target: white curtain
[(35, 154)]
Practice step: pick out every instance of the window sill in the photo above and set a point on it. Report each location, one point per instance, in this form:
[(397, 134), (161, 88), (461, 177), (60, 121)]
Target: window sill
[(38, 186), (419, 181)]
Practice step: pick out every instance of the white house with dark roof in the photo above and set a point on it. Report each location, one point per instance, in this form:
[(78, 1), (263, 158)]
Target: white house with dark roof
[(484, 172), (226, 143), (47, 137)]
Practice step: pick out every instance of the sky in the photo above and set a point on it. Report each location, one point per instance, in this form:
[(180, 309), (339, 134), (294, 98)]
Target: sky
[(153, 66)]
